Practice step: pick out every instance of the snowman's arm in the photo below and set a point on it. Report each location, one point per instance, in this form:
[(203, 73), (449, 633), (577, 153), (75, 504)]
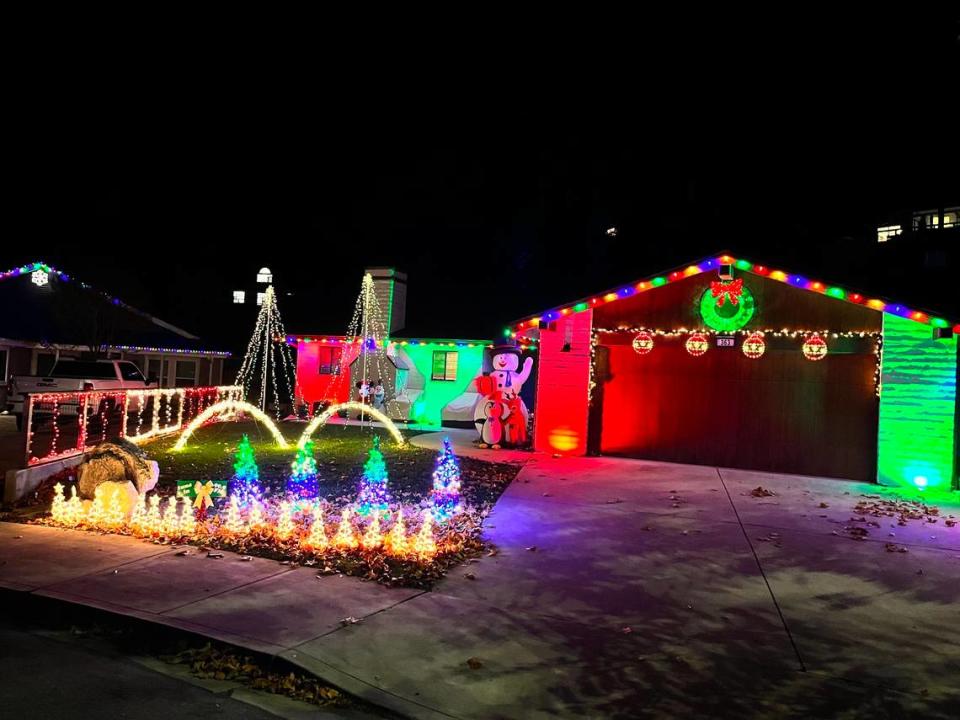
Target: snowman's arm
[(525, 373)]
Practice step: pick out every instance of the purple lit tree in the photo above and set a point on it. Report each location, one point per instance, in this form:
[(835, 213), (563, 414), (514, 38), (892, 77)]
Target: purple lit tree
[(446, 484)]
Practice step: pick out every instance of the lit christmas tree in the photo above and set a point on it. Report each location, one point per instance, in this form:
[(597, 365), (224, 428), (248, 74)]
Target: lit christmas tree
[(245, 473), (446, 484), (268, 356), (303, 474), (373, 496)]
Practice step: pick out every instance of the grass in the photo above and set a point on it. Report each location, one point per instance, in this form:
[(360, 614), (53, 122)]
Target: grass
[(340, 452)]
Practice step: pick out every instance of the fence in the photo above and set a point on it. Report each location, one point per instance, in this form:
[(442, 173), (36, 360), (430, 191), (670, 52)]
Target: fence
[(63, 424)]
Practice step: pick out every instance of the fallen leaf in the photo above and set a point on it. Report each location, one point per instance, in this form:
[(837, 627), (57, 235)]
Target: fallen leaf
[(474, 663)]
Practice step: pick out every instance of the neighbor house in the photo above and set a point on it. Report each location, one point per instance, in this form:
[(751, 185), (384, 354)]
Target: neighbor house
[(729, 363), (428, 381), (48, 314)]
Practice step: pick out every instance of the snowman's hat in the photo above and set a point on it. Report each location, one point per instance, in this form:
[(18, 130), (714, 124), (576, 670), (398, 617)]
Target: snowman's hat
[(504, 349)]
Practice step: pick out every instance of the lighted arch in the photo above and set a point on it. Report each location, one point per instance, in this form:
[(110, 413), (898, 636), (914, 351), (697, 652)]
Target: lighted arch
[(228, 406), (322, 418)]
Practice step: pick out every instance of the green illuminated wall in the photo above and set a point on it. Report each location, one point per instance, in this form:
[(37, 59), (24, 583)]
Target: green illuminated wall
[(917, 406), (437, 394)]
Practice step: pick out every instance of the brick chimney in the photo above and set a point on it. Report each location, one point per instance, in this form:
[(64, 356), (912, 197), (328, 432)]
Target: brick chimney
[(390, 286)]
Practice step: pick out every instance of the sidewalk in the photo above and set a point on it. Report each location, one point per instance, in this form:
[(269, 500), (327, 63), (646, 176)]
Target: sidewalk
[(620, 588)]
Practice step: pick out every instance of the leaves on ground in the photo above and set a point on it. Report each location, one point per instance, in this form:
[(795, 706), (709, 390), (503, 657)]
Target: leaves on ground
[(221, 664), (761, 491)]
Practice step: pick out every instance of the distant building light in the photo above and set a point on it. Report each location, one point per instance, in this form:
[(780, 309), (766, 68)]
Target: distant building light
[(260, 297), (264, 276), (951, 217), (888, 231), (926, 220), (239, 297), (612, 231)]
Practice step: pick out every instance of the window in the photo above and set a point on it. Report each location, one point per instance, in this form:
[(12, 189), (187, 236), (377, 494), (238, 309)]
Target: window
[(130, 372), (328, 360), (3, 365), (926, 220), (888, 231), (82, 370), (264, 276), (186, 373), (951, 217), (239, 297), (444, 365), (260, 297)]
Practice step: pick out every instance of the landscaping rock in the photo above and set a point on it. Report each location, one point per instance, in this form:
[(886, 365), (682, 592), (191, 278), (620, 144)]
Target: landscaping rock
[(116, 462)]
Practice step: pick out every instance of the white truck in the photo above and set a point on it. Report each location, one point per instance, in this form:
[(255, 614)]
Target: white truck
[(73, 376)]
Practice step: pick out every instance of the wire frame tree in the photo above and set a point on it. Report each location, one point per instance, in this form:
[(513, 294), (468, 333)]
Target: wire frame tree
[(368, 331), (268, 356)]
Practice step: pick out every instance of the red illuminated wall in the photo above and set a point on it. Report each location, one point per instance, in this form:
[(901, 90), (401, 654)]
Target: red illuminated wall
[(312, 386), (560, 418)]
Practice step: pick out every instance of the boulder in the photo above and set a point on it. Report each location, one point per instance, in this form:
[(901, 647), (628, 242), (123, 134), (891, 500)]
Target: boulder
[(116, 462)]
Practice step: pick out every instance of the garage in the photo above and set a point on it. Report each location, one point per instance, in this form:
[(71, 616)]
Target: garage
[(732, 364)]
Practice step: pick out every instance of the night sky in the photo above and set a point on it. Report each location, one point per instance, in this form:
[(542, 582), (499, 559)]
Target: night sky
[(492, 192)]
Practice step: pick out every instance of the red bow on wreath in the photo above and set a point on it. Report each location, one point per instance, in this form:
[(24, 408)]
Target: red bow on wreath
[(732, 290)]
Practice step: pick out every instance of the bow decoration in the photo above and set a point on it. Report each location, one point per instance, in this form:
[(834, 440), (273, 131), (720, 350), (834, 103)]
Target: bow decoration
[(204, 492), (727, 291)]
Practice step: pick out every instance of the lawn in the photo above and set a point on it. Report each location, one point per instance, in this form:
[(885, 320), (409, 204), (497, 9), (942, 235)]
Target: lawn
[(340, 452)]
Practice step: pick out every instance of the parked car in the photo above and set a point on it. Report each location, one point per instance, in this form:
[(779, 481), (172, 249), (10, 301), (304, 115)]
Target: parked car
[(72, 376)]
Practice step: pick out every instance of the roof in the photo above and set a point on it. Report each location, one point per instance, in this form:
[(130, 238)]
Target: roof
[(713, 263), (52, 308)]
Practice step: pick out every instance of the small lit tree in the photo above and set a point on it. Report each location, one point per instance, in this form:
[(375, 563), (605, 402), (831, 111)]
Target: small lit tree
[(303, 473), (373, 495), (246, 475), (446, 484)]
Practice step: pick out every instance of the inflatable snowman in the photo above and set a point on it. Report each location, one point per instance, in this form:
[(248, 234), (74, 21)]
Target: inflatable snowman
[(500, 414)]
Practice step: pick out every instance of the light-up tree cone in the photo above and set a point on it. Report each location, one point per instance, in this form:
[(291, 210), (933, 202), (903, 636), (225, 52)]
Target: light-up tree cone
[(245, 482), (302, 483), (445, 495), (268, 356), (373, 495)]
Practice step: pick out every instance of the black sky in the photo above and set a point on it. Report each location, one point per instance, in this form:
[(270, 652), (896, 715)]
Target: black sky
[(490, 184)]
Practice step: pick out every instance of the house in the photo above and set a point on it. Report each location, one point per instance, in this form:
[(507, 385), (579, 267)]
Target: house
[(428, 381), (729, 363), (47, 313)]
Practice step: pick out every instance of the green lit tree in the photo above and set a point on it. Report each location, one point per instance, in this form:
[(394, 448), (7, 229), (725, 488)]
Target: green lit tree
[(246, 475), (373, 495)]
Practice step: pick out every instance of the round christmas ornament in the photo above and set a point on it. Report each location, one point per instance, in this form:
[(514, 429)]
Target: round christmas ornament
[(643, 343), (754, 346), (815, 348), (697, 344), (727, 306)]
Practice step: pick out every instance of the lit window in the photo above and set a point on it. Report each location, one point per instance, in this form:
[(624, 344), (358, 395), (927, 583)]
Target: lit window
[(239, 297), (444, 365), (260, 297), (264, 276), (926, 220), (887, 232), (328, 360), (951, 217)]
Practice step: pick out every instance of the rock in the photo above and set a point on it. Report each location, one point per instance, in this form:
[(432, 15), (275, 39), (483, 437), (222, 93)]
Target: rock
[(117, 462)]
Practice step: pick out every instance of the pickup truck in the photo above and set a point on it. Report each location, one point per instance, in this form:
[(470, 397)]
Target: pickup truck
[(73, 376)]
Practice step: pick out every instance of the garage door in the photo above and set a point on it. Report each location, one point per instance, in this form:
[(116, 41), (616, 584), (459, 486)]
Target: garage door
[(781, 412)]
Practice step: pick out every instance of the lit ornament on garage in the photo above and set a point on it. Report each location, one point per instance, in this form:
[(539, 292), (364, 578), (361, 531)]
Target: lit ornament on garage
[(643, 343), (754, 346), (39, 277), (815, 348), (697, 344)]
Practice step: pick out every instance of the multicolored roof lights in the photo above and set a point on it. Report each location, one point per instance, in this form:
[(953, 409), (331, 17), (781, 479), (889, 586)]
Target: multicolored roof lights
[(31, 268), (170, 351), (401, 342), (714, 263)]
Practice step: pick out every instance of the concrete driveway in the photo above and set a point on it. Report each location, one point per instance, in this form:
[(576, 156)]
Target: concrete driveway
[(619, 588)]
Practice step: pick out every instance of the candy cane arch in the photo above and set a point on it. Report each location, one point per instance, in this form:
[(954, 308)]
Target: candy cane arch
[(228, 406), (359, 407)]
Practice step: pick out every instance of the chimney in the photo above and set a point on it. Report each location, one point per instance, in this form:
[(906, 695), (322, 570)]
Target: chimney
[(390, 286)]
